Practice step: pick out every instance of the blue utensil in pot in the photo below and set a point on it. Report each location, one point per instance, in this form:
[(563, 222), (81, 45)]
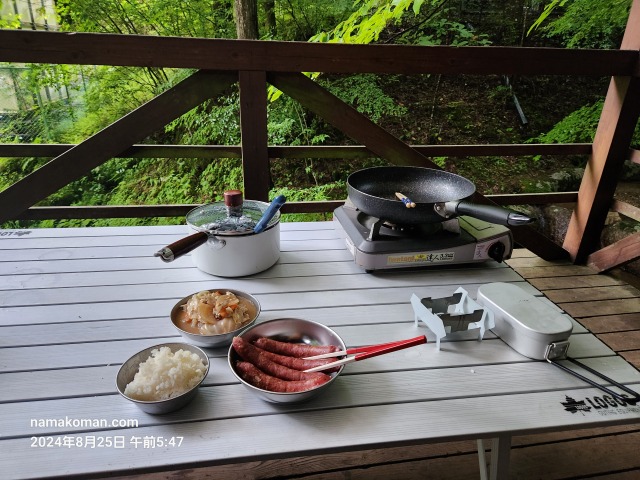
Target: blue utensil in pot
[(268, 214)]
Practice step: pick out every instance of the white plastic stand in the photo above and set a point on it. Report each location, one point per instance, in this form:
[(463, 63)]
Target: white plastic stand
[(442, 323)]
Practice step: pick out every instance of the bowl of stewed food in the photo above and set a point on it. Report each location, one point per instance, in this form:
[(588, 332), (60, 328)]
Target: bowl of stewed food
[(211, 318)]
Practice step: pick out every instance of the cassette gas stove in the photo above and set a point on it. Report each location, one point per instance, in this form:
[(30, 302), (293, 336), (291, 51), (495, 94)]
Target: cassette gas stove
[(378, 245)]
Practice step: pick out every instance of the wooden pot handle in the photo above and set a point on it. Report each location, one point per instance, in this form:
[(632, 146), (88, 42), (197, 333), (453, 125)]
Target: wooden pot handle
[(181, 247)]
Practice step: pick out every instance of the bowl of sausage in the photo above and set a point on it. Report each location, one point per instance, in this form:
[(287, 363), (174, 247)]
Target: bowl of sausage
[(269, 359)]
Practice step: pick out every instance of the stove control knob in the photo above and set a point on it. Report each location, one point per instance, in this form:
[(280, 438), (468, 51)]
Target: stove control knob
[(496, 251)]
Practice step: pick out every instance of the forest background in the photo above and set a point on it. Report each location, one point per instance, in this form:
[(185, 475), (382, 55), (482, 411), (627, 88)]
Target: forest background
[(420, 109)]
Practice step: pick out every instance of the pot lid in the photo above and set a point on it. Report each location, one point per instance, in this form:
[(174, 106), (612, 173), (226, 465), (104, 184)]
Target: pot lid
[(233, 216)]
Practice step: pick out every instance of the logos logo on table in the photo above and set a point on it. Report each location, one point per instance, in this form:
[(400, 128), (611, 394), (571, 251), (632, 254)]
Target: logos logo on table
[(14, 233), (600, 405)]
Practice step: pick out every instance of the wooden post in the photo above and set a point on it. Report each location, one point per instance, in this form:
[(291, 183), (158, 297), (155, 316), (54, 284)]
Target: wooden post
[(253, 126), (610, 150)]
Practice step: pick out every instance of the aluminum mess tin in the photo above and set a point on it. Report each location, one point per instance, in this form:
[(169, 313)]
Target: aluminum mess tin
[(522, 321)]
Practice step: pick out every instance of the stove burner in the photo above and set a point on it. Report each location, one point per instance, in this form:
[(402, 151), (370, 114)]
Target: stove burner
[(409, 230), (379, 227)]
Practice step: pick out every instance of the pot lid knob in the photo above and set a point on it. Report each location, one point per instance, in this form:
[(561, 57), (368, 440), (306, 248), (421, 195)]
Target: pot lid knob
[(233, 198)]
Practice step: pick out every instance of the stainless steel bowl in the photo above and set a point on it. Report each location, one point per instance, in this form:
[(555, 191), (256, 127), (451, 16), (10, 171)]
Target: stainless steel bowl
[(129, 369), (213, 341), (293, 330)]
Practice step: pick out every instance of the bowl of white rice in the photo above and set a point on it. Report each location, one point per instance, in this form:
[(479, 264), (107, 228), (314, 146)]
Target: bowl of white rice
[(163, 378)]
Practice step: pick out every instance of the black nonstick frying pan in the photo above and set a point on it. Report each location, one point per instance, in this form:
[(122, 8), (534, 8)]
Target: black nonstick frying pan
[(438, 196)]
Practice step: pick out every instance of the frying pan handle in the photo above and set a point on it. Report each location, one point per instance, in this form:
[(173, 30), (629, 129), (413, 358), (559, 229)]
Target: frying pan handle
[(182, 246), (488, 213)]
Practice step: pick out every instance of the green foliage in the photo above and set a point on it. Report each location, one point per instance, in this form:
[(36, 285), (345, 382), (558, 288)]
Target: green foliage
[(297, 20), (443, 31), (493, 175), (161, 181), (429, 25), (20, 127), (367, 23), (579, 126), (586, 23), (215, 122), (9, 20), (220, 176), (546, 12), (195, 18), (13, 169), (501, 94), (43, 96), (329, 191), (440, 161), (365, 94)]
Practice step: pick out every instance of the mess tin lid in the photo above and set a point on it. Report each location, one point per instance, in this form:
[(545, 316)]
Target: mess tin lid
[(526, 314), (233, 216)]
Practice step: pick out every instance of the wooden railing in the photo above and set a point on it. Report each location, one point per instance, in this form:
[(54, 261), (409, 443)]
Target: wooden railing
[(254, 64)]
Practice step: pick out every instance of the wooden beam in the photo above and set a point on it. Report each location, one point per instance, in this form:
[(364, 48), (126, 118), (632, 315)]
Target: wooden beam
[(305, 151), (610, 149), (325, 206), (534, 198), (626, 209), (149, 211), (75, 48), (111, 141), (616, 255), (135, 151), (104, 211), (253, 126), (461, 151)]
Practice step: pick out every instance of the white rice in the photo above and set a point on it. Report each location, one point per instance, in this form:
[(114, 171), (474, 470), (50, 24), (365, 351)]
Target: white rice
[(165, 375)]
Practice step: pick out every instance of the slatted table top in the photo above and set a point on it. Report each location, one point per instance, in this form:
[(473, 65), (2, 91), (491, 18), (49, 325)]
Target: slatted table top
[(76, 303)]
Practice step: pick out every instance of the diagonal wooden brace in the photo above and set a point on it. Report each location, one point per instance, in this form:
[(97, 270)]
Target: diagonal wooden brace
[(112, 140)]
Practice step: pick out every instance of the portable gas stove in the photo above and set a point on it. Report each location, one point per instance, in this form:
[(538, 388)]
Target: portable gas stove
[(378, 245)]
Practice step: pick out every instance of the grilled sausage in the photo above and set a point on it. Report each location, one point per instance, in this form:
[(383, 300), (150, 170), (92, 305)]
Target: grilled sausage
[(293, 349), (256, 377), (260, 358), (291, 362)]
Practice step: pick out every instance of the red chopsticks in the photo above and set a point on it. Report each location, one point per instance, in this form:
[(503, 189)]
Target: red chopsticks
[(365, 352)]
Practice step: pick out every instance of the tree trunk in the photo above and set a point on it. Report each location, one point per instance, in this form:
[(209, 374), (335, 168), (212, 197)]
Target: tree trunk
[(270, 16), (246, 14)]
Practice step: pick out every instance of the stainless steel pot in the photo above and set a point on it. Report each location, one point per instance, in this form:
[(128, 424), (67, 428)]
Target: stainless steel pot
[(230, 238)]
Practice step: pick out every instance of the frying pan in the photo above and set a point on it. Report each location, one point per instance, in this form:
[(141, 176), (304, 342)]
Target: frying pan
[(438, 196)]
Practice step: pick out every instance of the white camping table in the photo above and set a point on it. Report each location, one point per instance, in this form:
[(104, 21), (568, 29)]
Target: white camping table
[(75, 303)]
